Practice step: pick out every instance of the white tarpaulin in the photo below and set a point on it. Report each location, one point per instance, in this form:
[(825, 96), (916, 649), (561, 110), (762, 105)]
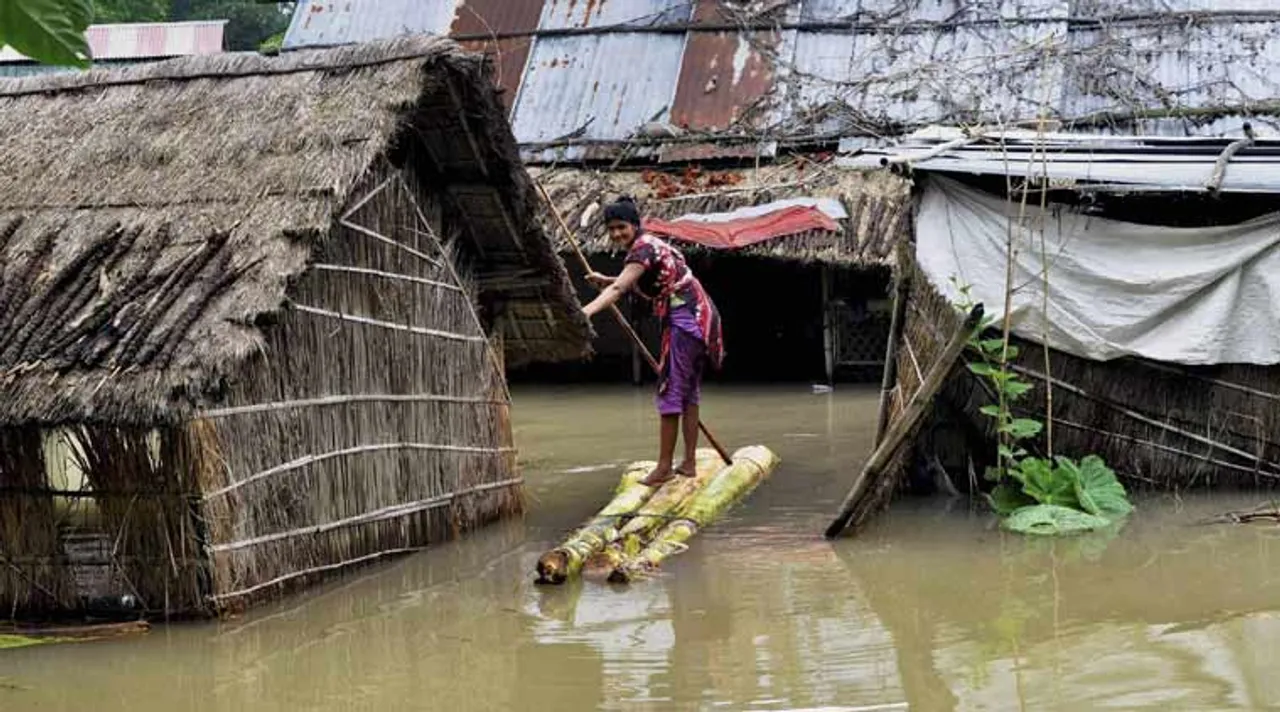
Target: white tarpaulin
[(1182, 295)]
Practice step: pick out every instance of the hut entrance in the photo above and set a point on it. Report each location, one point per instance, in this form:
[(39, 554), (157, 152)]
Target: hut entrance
[(783, 321), (786, 321), (101, 518)]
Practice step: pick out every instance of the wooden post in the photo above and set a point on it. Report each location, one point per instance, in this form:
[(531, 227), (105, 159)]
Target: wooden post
[(897, 322), (828, 340), (916, 408)]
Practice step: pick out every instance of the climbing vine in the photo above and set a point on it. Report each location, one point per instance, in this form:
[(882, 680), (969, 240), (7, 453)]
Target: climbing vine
[(1036, 495)]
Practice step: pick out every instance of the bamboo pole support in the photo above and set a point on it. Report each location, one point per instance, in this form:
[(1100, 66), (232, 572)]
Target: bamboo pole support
[(622, 320), (897, 320), (916, 408), (828, 338)]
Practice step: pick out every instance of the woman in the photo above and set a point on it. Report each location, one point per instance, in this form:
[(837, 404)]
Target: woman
[(691, 335)]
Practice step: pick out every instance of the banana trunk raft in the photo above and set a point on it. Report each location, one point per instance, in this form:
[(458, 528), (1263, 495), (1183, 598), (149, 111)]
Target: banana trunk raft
[(643, 526)]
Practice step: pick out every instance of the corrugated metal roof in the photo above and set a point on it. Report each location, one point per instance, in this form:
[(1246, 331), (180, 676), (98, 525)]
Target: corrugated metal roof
[(839, 67), (1093, 162), (1095, 8), (585, 85), (921, 77), (723, 77), (1208, 64), (145, 41), (499, 17), (559, 14), (319, 23), (898, 12)]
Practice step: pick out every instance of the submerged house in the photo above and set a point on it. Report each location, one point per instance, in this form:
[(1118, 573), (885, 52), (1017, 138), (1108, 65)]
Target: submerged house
[(1144, 287), (254, 316)]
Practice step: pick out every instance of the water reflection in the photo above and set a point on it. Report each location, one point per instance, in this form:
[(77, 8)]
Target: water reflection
[(932, 608), (1164, 616)]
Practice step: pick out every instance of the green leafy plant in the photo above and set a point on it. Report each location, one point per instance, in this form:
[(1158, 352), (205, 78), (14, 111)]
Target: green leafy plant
[(1036, 495), (48, 31)]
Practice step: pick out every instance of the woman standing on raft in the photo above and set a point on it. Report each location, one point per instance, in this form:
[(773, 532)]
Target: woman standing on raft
[(691, 335)]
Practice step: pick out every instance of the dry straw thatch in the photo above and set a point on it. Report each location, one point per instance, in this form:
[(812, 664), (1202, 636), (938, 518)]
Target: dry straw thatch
[(878, 204), (265, 304)]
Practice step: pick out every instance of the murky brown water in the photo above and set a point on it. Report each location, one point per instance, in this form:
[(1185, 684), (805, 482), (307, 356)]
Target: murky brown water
[(933, 609)]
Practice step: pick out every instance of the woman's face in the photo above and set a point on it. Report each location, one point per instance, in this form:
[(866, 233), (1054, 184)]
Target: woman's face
[(621, 232)]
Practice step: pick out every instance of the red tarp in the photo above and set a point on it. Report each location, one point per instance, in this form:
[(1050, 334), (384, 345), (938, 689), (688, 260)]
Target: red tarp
[(740, 232)]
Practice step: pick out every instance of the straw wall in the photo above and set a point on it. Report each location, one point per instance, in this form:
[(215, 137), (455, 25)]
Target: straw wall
[(123, 533), (376, 421)]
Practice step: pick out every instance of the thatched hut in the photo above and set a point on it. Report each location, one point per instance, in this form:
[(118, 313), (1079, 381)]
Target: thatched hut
[(809, 304), (1158, 314), (253, 319)]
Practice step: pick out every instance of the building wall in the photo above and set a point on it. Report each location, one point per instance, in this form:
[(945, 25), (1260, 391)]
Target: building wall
[(373, 468)]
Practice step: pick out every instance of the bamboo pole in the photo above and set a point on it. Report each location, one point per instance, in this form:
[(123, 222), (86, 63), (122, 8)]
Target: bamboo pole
[(897, 321), (828, 340), (622, 320), (914, 412), (722, 492)]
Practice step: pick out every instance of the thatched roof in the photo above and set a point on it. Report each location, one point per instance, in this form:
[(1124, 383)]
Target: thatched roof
[(152, 218), (878, 203)]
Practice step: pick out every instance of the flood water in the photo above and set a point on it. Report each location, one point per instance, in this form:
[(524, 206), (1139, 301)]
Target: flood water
[(932, 608)]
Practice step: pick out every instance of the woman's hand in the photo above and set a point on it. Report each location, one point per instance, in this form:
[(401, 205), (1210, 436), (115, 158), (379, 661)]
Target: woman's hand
[(600, 280), (616, 287)]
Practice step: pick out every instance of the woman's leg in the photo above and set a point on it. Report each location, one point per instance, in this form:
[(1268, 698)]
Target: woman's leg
[(689, 467), (668, 432), (692, 396), (673, 397)]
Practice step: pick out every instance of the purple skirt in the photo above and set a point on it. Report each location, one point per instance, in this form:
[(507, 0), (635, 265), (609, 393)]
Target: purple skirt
[(681, 384)]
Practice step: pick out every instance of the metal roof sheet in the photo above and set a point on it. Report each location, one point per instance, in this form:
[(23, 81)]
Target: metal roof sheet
[(928, 76), (897, 11), (320, 23), (559, 14), (1118, 164), (586, 85), (145, 40), (841, 67), (499, 17)]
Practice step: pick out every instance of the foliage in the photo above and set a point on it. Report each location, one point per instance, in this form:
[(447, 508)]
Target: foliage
[(48, 31), (114, 11), (272, 44), (1037, 495), (22, 641)]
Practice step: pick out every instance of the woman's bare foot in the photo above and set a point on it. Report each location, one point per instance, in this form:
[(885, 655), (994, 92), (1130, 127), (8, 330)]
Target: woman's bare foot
[(661, 475), (688, 468)]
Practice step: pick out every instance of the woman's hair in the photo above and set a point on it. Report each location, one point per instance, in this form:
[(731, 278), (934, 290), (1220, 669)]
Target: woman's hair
[(624, 209)]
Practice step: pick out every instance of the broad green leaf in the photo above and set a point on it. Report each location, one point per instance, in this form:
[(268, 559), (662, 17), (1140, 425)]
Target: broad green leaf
[(991, 346), (1052, 520), (1022, 428), (991, 410), (981, 369), (48, 31), (1045, 484), (1012, 353), (1097, 489), (1010, 453), (1016, 389), (991, 474), (1006, 499)]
